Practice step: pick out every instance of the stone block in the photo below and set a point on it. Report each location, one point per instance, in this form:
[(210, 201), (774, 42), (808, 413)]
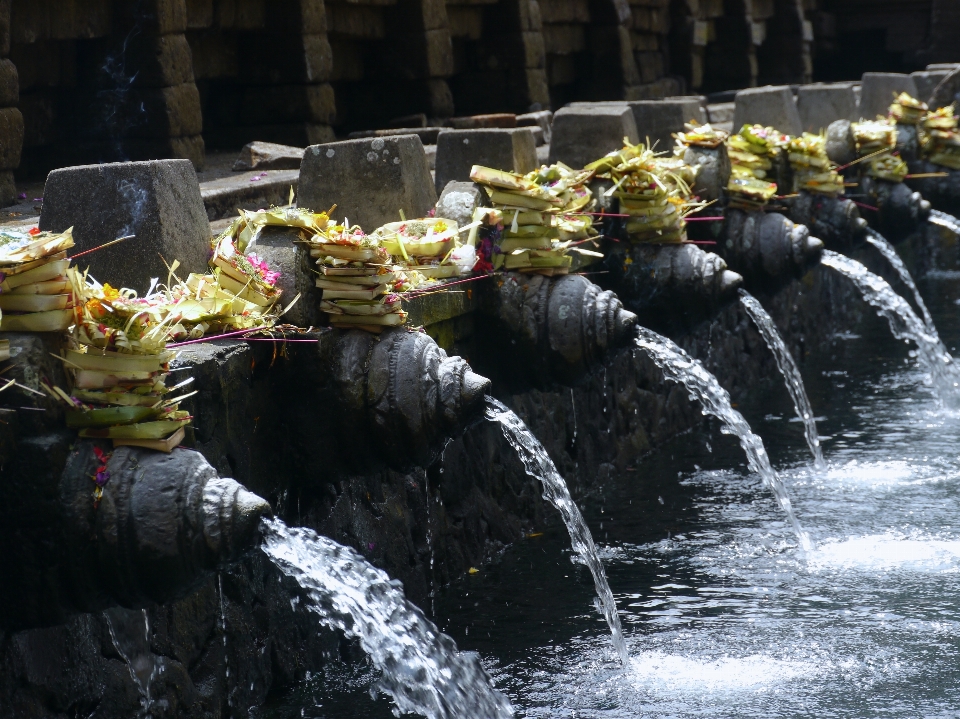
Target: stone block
[(160, 60), (427, 135), (458, 201), (215, 55), (478, 122), (880, 89), (292, 59), (659, 119), (927, 82), (362, 21), (165, 112), (583, 134), (465, 21), (460, 150), (559, 11), (11, 138), (563, 39), (279, 246), (771, 106), (820, 104), (5, 27), (158, 201), (162, 16), (370, 180), (542, 119), (199, 14), (9, 84), (247, 191), (268, 156)]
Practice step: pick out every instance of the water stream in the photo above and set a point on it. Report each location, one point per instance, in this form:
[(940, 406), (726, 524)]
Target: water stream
[(945, 220), (130, 635), (538, 464), (791, 375), (421, 668), (904, 324), (890, 254), (678, 366)]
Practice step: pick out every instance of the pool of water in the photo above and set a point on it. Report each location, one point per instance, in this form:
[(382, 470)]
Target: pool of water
[(722, 614)]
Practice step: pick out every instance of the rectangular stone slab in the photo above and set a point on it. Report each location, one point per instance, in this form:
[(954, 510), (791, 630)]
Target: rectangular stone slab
[(770, 106), (369, 180), (459, 150), (821, 104), (582, 134), (158, 200), (880, 89)]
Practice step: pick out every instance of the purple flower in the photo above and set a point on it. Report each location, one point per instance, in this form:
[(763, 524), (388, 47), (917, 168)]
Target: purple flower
[(38, 199), (22, 196), (371, 545), (103, 476), (254, 179)]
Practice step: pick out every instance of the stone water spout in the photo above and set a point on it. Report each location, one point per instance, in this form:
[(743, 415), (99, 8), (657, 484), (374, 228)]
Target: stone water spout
[(766, 248), (834, 220), (162, 525), (561, 325), (396, 396), (671, 283)]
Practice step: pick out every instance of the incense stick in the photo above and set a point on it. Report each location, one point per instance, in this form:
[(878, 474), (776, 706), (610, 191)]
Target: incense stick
[(100, 247)]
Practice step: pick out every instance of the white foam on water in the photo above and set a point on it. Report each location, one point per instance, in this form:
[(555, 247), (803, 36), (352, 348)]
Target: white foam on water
[(888, 551), (659, 672)]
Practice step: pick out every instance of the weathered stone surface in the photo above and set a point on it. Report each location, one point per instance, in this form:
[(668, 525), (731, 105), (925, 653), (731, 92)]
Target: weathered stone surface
[(281, 248), (248, 191), (8, 188), (9, 84), (771, 106), (165, 112), (948, 90), (480, 122), (714, 172), (160, 60), (460, 150), (159, 201), (458, 200), (542, 119), (841, 147), (427, 135), (927, 82), (581, 135), (659, 119), (819, 105), (268, 156), (880, 89), (11, 138), (370, 180)]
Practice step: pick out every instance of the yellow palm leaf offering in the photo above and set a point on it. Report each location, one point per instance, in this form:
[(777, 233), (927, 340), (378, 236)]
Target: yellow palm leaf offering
[(879, 139), (654, 191), (35, 295), (425, 251), (117, 359), (812, 169), (357, 276), (752, 152), (907, 110), (939, 139), (244, 273), (542, 214), (697, 135)]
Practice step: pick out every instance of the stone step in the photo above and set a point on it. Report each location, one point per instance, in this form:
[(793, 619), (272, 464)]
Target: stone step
[(222, 197)]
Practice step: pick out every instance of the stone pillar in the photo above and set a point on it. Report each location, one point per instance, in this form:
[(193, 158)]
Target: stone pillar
[(263, 68), (499, 63), (650, 25), (784, 56), (11, 121)]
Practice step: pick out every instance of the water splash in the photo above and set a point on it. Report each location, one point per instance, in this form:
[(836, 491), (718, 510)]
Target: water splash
[(791, 375), (904, 323), (130, 634), (678, 366), (421, 668), (890, 254), (945, 220), (539, 465)]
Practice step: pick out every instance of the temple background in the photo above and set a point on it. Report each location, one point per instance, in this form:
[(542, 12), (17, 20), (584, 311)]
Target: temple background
[(99, 80)]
